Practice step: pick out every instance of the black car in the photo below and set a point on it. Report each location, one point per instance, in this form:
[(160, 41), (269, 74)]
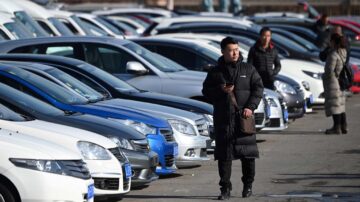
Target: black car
[(286, 47), (142, 160), (109, 85)]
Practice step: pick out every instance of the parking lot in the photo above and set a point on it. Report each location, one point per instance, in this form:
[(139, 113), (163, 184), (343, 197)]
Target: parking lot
[(298, 164)]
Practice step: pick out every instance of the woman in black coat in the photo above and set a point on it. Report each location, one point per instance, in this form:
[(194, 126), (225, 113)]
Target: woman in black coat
[(231, 74)]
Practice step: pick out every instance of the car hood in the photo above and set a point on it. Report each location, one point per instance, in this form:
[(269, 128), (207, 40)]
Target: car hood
[(302, 65), (167, 112), (123, 113), (60, 132), (102, 126)]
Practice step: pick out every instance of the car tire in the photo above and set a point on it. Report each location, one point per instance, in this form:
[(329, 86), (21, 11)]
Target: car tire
[(6, 195)]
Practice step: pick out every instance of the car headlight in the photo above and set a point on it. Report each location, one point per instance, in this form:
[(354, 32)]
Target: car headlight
[(122, 143), (284, 87), (52, 166), (271, 102), (306, 85), (139, 126), (313, 74), (209, 118), (91, 151), (182, 127)]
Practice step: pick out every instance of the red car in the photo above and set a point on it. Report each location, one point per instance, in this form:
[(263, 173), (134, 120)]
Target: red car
[(349, 29), (356, 81)]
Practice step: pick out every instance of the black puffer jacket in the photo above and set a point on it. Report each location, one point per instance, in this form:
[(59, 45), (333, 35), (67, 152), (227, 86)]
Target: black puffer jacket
[(266, 62), (230, 142)]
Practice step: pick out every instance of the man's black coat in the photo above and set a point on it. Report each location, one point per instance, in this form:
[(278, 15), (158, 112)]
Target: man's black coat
[(248, 90)]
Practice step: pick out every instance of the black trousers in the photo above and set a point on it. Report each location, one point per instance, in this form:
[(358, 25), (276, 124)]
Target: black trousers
[(248, 171)]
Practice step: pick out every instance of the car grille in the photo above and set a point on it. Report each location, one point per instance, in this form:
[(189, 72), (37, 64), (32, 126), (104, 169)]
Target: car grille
[(274, 122), (141, 145), (106, 183), (168, 135), (259, 118), (202, 127), (77, 168), (119, 154), (169, 160)]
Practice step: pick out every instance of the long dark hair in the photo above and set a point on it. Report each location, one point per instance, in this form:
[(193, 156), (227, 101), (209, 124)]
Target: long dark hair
[(338, 40)]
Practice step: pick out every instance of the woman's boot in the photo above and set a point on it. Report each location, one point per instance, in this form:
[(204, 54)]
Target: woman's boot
[(344, 128), (336, 129)]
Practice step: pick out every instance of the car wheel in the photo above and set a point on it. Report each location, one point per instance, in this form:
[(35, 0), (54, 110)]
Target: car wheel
[(5, 194)]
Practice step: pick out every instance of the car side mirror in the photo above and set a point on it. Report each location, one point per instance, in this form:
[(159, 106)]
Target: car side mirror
[(208, 67), (136, 68)]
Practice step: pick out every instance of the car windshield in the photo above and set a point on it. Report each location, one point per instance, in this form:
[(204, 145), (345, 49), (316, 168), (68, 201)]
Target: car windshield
[(208, 52), (89, 29), (18, 30), (109, 26), (9, 115), (287, 42), (31, 24), (56, 92), (64, 31), (107, 78), (76, 85), (25, 101), (150, 57), (305, 43)]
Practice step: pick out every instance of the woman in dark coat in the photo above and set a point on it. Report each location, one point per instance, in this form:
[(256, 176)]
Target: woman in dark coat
[(334, 96), (231, 74)]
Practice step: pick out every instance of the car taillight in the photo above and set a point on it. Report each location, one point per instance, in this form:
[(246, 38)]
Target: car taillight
[(357, 38)]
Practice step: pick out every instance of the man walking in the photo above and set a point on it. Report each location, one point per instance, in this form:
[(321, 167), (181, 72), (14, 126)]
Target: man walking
[(231, 75), (264, 57)]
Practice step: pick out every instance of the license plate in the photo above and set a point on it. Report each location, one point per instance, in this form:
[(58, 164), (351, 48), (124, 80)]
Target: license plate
[(176, 150), (90, 194), (127, 171), (286, 115)]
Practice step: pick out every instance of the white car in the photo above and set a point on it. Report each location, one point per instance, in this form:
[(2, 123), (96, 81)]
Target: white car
[(32, 169), (152, 12), (44, 18), (101, 154), (11, 29)]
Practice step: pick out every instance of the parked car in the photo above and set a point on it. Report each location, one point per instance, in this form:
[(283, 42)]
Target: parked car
[(29, 164), (278, 111), (12, 8), (107, 164), (44, 18), (190, 130), (132, 143), (124, 59), (11, 29), (158, 131), (110, 86)]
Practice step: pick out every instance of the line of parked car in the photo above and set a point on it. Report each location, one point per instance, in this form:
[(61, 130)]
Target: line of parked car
[(107, 101)]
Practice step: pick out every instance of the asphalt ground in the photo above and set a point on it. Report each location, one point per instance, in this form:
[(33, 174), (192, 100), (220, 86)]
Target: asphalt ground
[(300, 163)]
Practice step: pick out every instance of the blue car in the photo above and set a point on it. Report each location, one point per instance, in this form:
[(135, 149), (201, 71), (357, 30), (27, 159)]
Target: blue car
[(158, 131)]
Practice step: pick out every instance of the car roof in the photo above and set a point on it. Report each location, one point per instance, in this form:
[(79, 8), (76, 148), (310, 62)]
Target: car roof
[(9, 45)]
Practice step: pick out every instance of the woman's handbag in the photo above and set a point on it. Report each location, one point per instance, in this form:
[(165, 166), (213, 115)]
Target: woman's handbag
[(247, 125)]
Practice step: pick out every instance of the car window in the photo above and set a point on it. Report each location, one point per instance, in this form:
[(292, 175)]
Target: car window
[(18, 30), (70, 26), (3, 36), (67, 51), (27, 101), (51, 89), (46, 28), (30, 24), (112, 60), (9, 115), (64, 30)]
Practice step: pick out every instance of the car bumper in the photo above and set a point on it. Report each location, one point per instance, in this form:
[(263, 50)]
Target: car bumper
[(167, 152), (143, 167), (47, 187), (192, 149), (108, 177)]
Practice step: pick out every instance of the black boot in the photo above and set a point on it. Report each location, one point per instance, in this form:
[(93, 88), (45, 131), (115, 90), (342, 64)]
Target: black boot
[(247, 191), (225, 195), (344, 129), (336, 129)]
